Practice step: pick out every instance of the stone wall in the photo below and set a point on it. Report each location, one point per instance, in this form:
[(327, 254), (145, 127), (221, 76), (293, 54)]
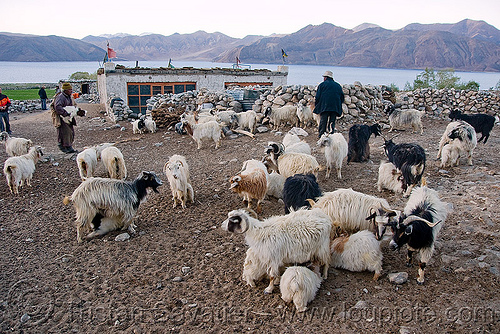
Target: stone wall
[(440, 101)]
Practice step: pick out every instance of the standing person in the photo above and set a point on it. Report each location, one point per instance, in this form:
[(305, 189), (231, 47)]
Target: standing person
[(329, 99), (4, 113), (65, 131), (43, 97)]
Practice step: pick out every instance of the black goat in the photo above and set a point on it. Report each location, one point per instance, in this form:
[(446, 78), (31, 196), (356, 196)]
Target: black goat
[(481, 123), (410, 159), (297, 189), (419, 225), (358, 148)]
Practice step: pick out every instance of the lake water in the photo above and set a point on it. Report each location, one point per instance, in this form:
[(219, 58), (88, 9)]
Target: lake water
[(52, 72)]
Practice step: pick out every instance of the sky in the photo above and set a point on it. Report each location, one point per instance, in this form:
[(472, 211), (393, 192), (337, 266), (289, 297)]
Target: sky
[(233, 18)]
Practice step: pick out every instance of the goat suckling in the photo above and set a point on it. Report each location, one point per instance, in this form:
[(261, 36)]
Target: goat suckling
[(358, 147), (298, 237), (418, 226), (300, 285), (177, 172), (402, 118), (335, 147), (251, 183), (19, 170), (482, 123), (103, 205), (462, 136), (409, 158), (15, 146)]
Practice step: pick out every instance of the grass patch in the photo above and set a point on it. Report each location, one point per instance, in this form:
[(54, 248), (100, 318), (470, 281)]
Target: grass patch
[(26, 94)]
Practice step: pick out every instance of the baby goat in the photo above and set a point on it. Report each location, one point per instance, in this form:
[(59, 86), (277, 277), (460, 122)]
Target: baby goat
[(482, 123), (335, 147)]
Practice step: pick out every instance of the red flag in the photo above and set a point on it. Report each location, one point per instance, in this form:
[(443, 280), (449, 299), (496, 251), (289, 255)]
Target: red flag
[(111, 52)]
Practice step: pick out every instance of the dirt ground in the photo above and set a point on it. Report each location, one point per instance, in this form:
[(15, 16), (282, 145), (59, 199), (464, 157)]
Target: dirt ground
[(182, 273)]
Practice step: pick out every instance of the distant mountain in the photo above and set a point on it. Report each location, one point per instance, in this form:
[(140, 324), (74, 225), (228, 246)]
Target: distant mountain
[(467, 46), (18, 47)]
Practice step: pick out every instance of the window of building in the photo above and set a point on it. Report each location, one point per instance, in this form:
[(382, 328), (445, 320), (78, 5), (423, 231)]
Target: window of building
[(139, 93)]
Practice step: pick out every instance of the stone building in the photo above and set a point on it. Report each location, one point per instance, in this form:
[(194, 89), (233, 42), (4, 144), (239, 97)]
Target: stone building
[(83, 86), (136, 85)]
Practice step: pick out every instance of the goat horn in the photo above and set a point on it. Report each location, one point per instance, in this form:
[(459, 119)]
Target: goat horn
[(397, 134), (413, 218), (311, 202), (252, 213)]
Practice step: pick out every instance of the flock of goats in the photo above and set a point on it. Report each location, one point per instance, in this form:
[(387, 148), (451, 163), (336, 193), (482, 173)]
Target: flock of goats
[(341, 228)]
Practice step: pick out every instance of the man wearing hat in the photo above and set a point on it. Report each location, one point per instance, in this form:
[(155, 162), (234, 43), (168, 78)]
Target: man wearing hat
[(65, 131), (329, 99)]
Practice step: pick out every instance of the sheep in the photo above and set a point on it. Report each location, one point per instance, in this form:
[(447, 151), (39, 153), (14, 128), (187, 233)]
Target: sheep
[(251, 183), (114, 163), (419, 225), (73, 112), (358, 252), (287, 113), (353, 211), (390, 178), (204, 131), (300, 236), (176, 170), (410, 159), (358, 147), (19, 170), (300, 285), (293, 144), (289, 164), (297, 189), (401, 118), (462, 131), (103, 205), (482, 123), (15, 146), (335, 147), (138, 126), (305, 115), (275, 185)]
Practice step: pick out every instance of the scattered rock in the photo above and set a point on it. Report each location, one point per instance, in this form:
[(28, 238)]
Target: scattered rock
[(398, 278), (185, 270), (122, 237), (177, 279)]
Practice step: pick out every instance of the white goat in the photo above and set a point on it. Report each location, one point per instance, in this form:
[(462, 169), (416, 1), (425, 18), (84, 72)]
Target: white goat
[(73, 112), (289, 164), (253, 268), (390, 178), (305, 115), (103, 205), (293, 144), (287, 113), (15, 146), (298, 237), (202, 131), (177, 171), (19, 170), (450, 154), (247, 120), (300, 285), (150, 124), (465, 134), (353, 211), (275, 185), (357, 252), (401, 118), (87, 162), (114, 163), (335, 147), (226, 117)]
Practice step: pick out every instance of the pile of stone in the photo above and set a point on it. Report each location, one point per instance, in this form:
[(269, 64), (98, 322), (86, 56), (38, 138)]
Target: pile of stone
[(193, 100), (27, 105), (119, 110), (439, 102), (359, 100)]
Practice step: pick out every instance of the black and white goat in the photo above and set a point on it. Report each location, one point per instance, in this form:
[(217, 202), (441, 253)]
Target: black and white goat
[(462, 138), (298, 189), (418, 226), (409, 158), (103, 205), (358, 148), (482, 123)]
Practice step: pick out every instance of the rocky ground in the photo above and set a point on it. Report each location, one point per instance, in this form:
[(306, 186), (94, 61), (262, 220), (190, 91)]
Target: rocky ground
[(182, 273)]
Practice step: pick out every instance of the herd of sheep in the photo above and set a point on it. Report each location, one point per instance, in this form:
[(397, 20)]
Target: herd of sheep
[(341, 228)]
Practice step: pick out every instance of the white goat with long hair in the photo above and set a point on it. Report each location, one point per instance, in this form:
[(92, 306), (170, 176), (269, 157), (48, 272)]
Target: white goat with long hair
[(177, 171), (19, 170), (463, 140), (104, 205), (300, 285), (390, 178), (15, 146), (88, 158), (211, 130), (113, 161), (298, 237), (401, 118), (335, 147)]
